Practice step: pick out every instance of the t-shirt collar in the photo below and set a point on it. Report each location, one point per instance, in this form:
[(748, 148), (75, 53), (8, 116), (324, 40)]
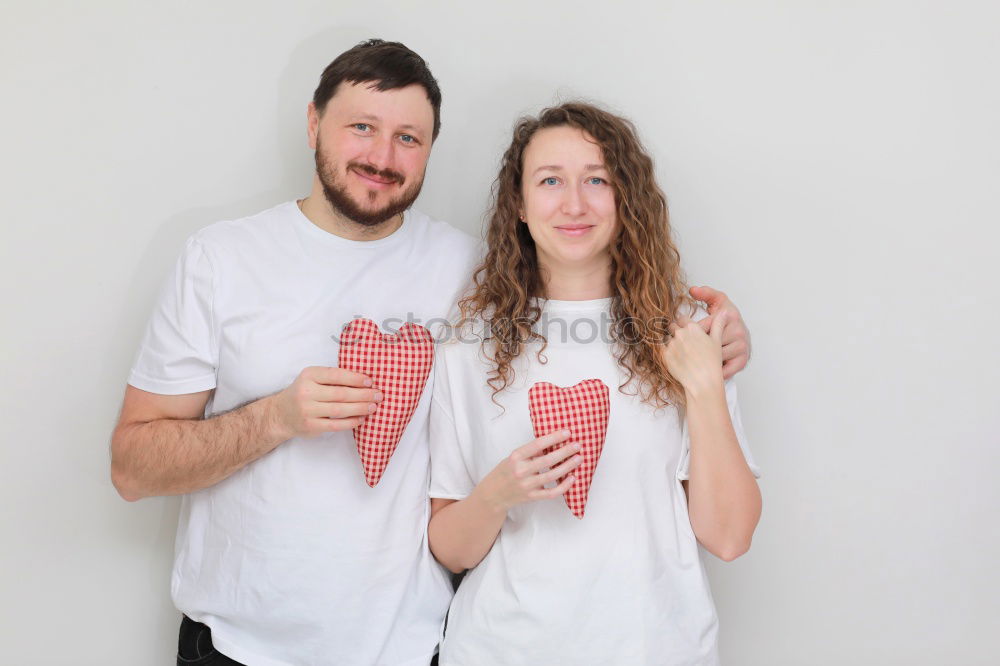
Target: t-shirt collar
[(323, 236)]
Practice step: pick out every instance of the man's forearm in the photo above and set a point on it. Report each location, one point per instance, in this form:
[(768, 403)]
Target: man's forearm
[(176, 456)]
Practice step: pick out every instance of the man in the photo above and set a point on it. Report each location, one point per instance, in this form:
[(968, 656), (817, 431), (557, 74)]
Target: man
[(284, 554)]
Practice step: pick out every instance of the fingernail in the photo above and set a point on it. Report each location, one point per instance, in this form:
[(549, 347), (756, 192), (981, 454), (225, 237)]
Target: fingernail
[(378, 395), (577, 447), (371, 407), (368, 382), (566, 432)]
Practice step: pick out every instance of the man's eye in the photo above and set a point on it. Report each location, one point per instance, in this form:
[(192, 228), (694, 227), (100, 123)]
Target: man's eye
[(407, 138), (362, 127)]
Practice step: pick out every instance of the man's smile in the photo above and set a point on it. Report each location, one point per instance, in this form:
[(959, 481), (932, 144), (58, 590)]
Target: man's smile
[(375, 180)]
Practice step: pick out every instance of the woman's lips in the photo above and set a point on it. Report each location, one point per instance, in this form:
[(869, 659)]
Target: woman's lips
[(575, 229)]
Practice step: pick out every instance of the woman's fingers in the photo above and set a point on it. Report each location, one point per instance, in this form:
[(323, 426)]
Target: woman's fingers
[(548, 493), (554, 457), (533, 468), (681, 322), (536, 446), (560, 471)]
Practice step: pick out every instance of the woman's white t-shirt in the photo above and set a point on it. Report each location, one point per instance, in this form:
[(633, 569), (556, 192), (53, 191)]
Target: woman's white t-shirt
[(623, 585)]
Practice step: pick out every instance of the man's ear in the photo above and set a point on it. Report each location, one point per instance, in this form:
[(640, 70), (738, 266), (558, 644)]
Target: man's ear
[(312, 124)]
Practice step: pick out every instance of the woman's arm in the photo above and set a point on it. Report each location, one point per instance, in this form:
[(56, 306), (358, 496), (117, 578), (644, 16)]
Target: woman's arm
[(461, 532), (724, 501)]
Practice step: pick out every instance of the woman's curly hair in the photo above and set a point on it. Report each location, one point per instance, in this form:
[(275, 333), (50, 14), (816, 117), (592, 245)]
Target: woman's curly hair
[(647, 285)]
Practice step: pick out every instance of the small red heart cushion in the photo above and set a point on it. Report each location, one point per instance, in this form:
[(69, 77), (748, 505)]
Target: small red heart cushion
[(398, 366), (582, 409)]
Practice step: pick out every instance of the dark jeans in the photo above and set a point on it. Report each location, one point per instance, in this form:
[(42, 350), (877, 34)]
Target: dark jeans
[(194, 647)]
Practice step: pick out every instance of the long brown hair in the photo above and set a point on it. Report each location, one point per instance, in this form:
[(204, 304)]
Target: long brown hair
[(648, 287)]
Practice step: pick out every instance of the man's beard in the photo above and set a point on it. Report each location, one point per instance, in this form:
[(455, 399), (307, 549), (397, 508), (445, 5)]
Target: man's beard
[(340, 199)]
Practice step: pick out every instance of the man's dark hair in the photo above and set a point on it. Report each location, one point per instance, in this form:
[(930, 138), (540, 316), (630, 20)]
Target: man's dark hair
[(387, 65)]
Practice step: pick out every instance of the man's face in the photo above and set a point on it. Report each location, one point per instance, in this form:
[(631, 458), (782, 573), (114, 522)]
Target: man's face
[(371, 149)]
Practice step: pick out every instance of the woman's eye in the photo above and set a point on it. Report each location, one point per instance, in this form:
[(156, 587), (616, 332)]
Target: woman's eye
[(550, 181), (596, 181)]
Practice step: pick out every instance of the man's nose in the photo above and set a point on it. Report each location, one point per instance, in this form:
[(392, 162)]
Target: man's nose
[(381, 152)]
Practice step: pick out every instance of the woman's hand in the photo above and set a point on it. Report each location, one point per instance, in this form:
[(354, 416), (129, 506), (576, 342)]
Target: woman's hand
[(735, 336), (462, 532), (694, 357), (521, 476)]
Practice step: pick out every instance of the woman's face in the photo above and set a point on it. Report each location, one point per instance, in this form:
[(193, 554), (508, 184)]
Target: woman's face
[(568, 199)]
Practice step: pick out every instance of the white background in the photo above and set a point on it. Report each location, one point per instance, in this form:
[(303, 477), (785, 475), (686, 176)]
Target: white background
[(833, 166)]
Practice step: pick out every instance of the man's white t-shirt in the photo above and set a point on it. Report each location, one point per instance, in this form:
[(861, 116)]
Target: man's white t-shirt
[(623, 585), (294, 559)]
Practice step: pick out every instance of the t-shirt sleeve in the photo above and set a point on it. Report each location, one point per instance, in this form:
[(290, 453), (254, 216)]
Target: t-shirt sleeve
[(179, 351), (734, 414), (450, 477)]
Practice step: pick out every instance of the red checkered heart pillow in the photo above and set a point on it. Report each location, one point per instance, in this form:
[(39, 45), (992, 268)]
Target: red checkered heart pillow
[(398, 366), (583, 410)]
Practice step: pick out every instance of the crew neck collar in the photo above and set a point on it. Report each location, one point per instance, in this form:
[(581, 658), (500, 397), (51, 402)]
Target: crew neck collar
[(593, 305), (331, 239)]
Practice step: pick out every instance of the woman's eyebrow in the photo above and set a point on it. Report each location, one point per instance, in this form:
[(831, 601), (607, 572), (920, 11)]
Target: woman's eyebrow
[(556, 167)]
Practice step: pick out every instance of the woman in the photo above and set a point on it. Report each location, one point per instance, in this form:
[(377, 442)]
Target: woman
[(578, 243)]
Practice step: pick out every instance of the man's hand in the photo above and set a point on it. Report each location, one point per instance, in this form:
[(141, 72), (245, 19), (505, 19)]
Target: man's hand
[(323, 400), (163, 446), (735, 335)]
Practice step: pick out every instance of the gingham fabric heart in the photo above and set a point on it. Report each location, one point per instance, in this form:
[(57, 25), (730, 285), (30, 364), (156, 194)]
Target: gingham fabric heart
[(583, 409), (398, 366)]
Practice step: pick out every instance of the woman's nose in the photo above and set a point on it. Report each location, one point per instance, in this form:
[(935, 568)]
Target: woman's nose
[(574, 202)]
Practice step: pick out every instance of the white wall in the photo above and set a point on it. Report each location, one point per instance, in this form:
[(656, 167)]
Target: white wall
[(832, 165)]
